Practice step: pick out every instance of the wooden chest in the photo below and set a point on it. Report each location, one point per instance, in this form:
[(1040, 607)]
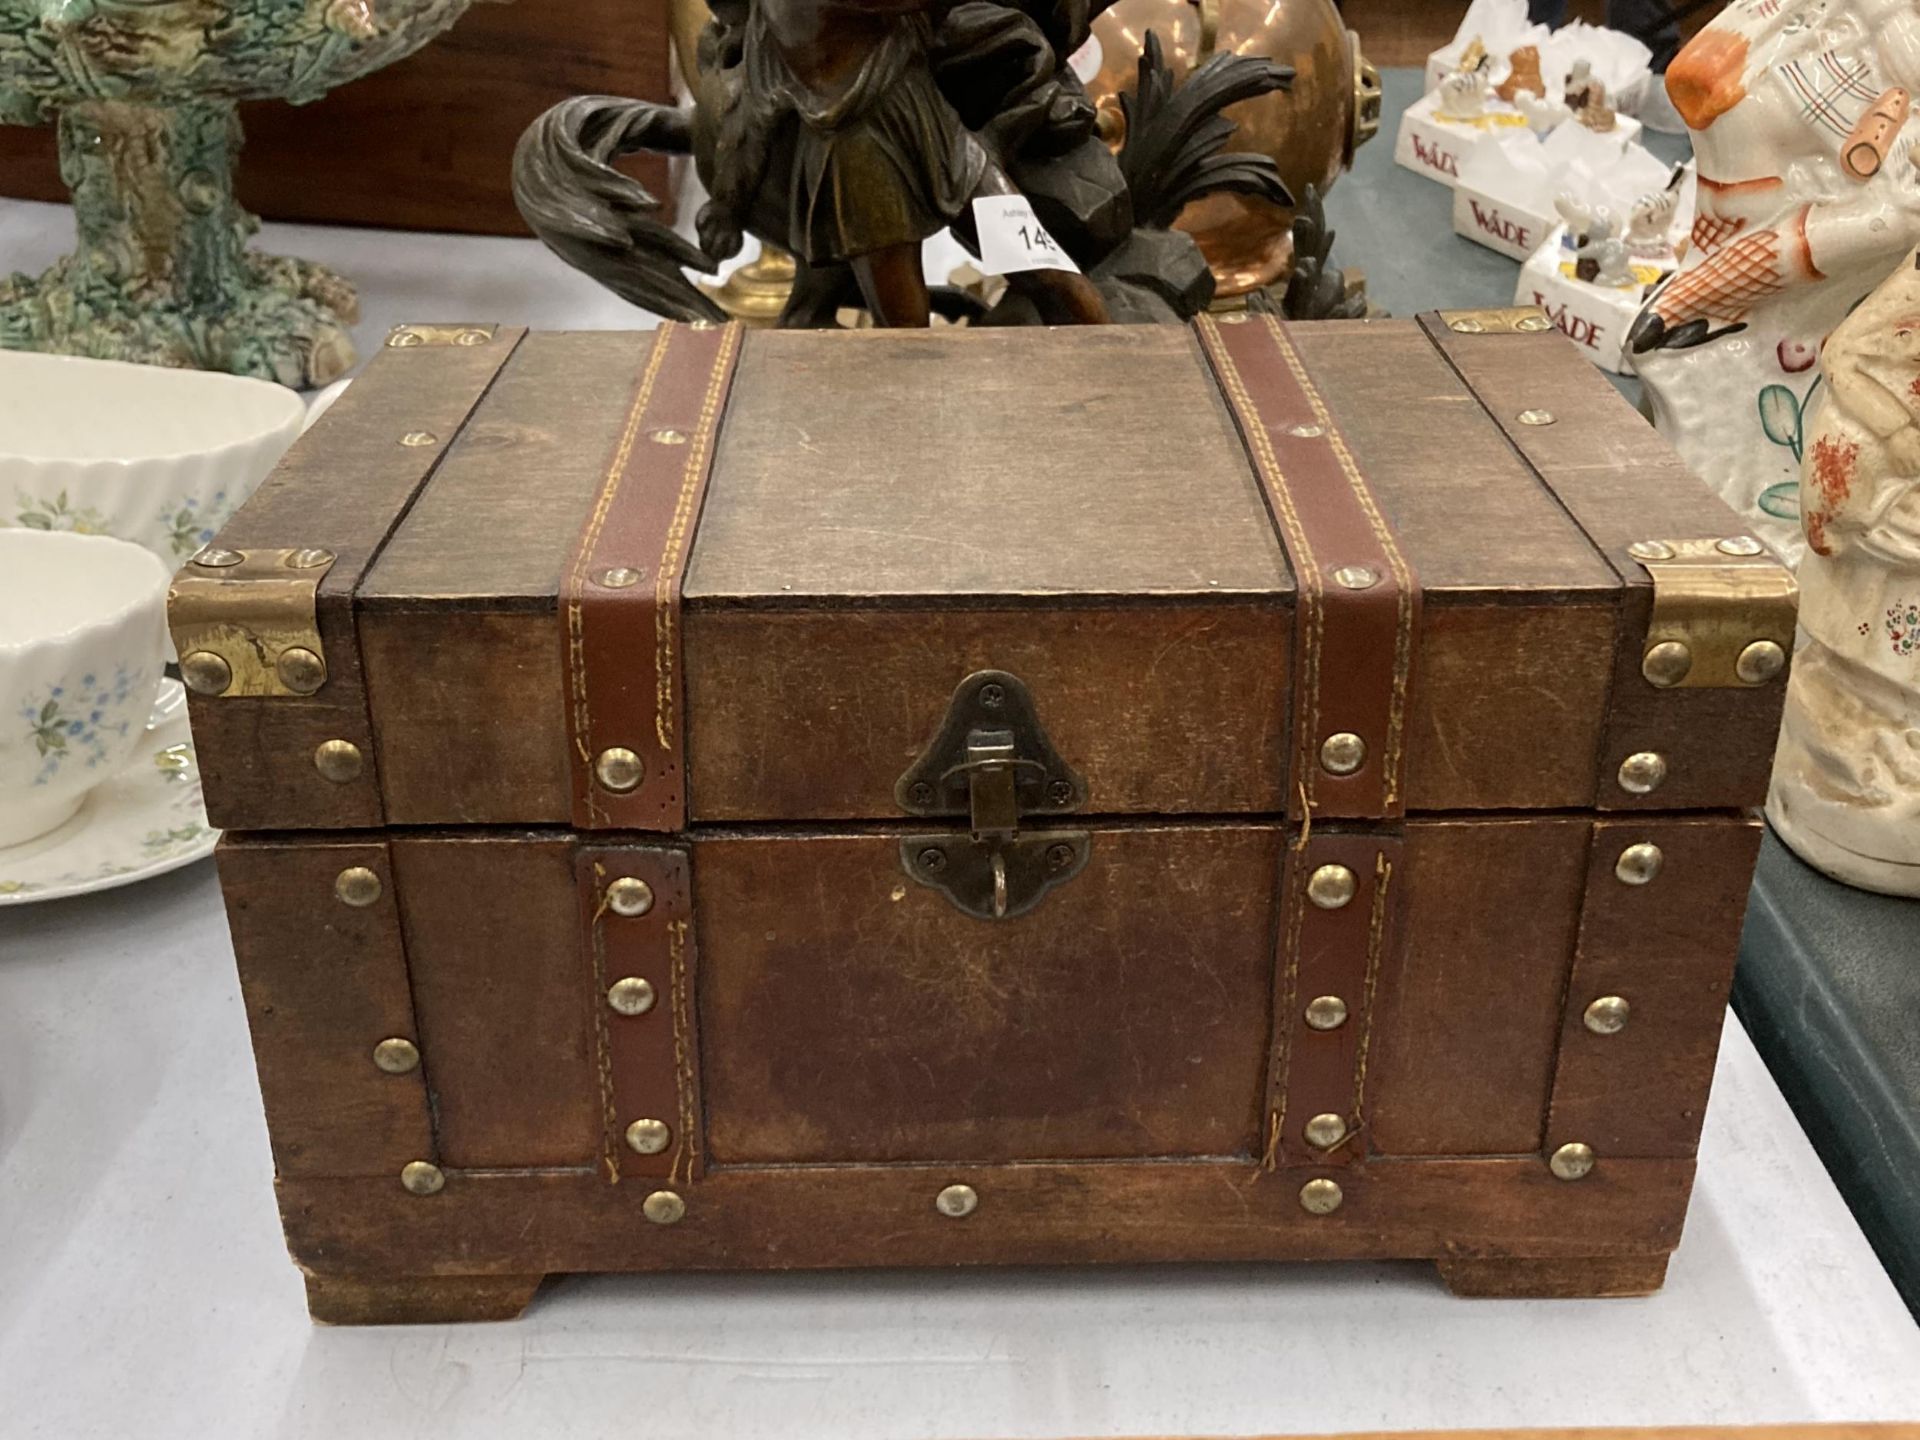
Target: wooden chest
[(704, 799)]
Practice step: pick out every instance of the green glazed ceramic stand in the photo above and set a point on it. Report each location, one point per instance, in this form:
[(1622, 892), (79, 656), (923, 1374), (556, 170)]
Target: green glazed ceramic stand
[(144, 94), (162, 274)]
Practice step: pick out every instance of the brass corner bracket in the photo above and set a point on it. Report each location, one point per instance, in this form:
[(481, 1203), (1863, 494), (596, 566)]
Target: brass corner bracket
[(412, 337), (245, 622), (1507, 320), (1723, 613)]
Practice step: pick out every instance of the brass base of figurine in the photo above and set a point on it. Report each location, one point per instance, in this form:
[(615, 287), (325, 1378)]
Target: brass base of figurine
[(756, 294)]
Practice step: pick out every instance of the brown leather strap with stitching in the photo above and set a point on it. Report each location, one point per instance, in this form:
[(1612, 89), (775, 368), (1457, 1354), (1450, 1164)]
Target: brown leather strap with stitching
[(646, 1060), (620, 597), (1329, 954), (1356, 621), (1359, 601)]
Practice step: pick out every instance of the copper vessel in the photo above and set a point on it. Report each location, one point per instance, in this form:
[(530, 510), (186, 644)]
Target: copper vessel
[(1311, 133)]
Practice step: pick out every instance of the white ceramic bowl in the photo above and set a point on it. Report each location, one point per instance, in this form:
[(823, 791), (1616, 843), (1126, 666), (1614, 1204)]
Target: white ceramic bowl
[(82, 629), (156, 456)]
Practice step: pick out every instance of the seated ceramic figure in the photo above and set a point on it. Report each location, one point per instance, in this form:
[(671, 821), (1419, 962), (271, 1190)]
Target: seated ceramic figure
[(1846, 782), (1464, 95), (1523, 75), (1648, 227), (1586, 97), (1807, 198)]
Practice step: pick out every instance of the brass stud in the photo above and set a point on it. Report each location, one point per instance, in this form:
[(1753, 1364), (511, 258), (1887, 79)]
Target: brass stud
[(311, 558), (205, 672), (1356, 577), (470, 338), (1650, 550), (663, 1207), (405, 339), (1666, 664), (1325, 1131), (1572, 1161), (1739, 545), (648, 1137), (1466, 326), (1326, 1012), (396, 1056), (1760, 662), (1536, 417), (1607, 1015), (1237, 317), (300, 670), (419, 439), (1533, 324), (1342, 753), (422, 1178), (629, 896), (631, 995), (1638, 864), (956, 1201), (619, 770), (620, 577), (1643, 772), (667, 437), (1332, 887), (702, 325), (1306, 432), (338, 760), (1320, 1197), (216, 557), (357, 886)]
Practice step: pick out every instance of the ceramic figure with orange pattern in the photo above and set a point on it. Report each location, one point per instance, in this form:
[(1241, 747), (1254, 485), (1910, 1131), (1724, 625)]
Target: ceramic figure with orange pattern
[(1808, 196)]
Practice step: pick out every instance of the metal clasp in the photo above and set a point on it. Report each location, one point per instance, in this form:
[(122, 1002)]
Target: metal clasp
[(993, 763)]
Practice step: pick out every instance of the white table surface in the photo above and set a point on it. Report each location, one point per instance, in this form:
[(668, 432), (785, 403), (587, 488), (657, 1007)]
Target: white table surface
[(145, 1291)]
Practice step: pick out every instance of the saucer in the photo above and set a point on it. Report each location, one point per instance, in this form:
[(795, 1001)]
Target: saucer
[(145, 821)]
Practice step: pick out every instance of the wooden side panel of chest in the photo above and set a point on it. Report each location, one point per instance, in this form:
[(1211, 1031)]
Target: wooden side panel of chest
[(1093, 1075)]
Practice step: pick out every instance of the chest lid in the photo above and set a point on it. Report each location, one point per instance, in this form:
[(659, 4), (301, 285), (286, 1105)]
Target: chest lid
[(699, 576)]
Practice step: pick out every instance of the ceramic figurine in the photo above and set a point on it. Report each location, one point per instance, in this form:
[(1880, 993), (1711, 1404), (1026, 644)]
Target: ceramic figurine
[(143, 97), (847, 136), (1543, 115), (1808, 197), (1464, 95), (1593, 234), (1846, 779), (1649, 227), (1523, 75), (1586, 97)]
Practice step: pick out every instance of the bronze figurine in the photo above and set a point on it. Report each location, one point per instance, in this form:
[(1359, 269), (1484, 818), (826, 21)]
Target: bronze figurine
[(848, 131)]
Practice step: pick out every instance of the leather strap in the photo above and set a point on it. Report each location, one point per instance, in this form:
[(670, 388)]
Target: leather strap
[(1329, 967), (620, 599), (1359, 601), (643, 967)]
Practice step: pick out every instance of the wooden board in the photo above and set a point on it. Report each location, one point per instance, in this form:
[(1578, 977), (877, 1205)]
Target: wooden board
[(427, 143)]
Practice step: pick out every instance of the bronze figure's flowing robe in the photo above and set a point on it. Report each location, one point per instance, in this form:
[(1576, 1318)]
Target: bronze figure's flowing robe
[(880, 160)]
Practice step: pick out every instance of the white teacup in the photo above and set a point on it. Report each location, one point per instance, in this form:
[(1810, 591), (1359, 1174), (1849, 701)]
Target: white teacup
[(82, 631)]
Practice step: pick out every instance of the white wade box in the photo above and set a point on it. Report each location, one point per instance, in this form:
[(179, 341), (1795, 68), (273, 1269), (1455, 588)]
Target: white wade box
[(1595, 317), (1429, 144), (1513, 229)]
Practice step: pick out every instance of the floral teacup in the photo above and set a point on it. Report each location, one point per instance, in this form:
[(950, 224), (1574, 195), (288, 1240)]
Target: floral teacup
[(82, 632), (154, 455)]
